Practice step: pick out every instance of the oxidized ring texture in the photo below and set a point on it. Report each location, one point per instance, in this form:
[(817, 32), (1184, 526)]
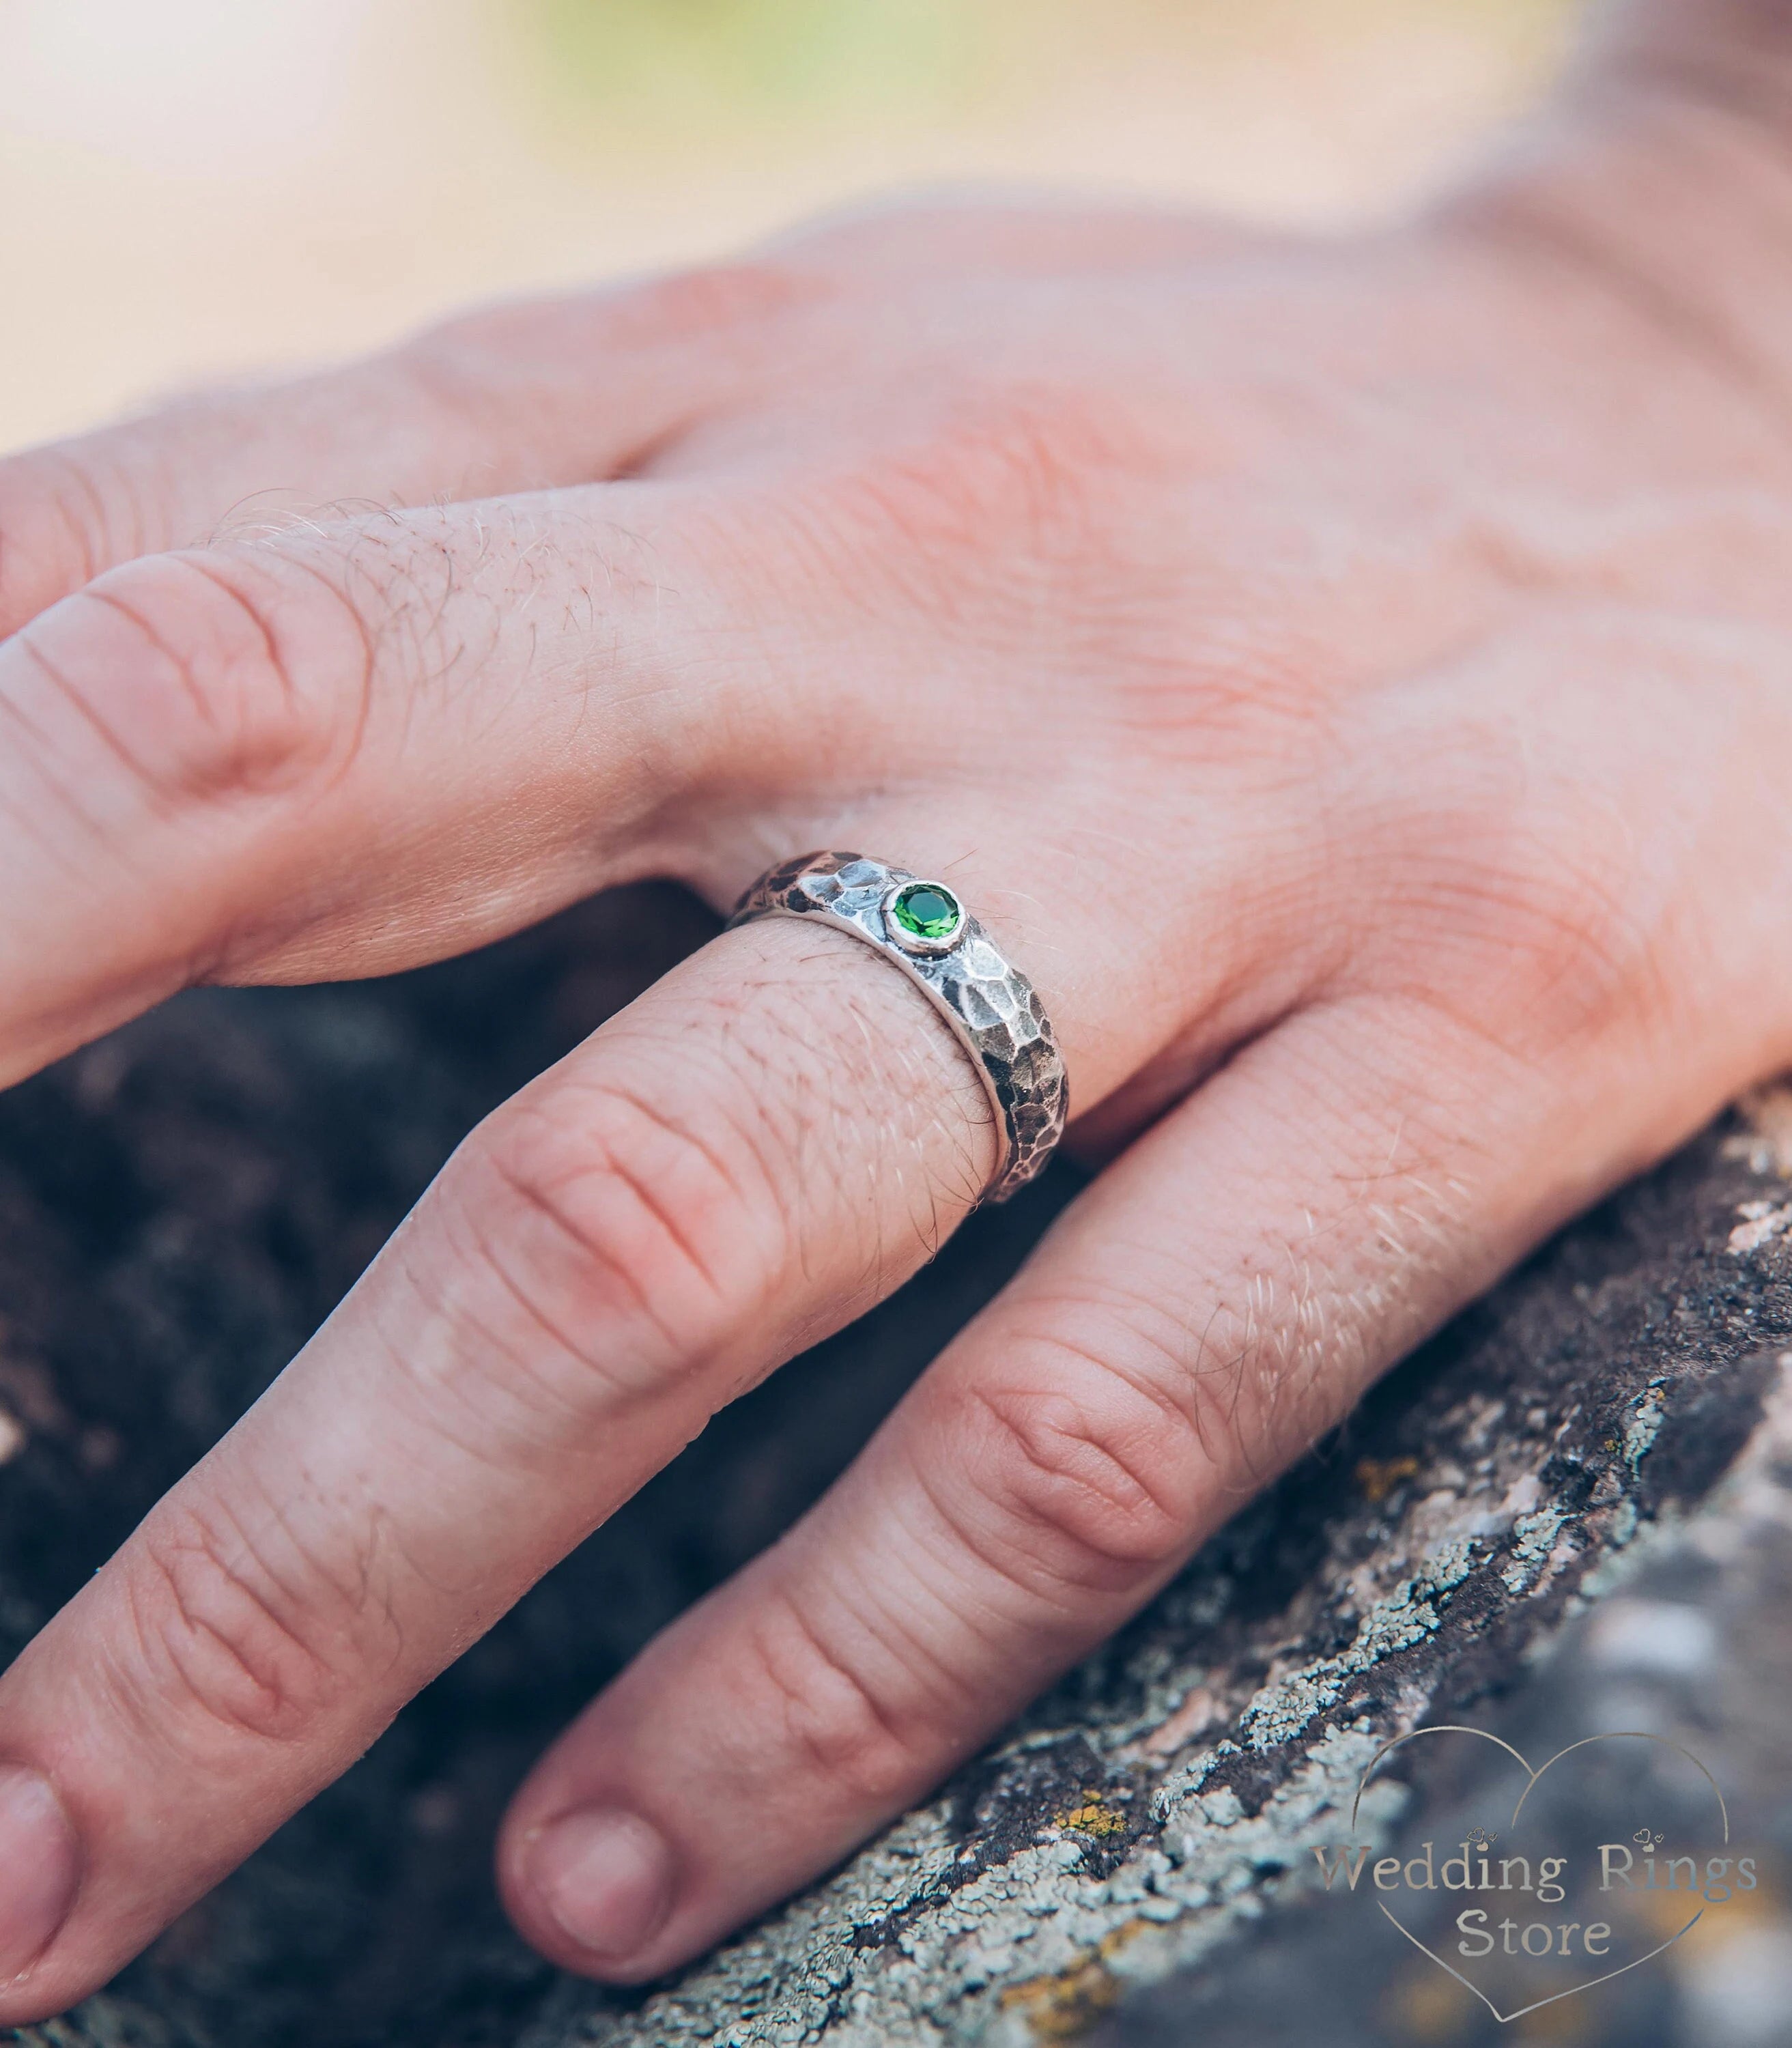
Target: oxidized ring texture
[(993, 1011)]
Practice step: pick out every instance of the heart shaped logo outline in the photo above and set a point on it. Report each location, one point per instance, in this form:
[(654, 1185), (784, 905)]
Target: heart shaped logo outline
[(1523, 1762)]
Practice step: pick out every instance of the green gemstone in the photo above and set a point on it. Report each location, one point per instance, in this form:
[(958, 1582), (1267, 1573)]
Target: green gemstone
[(924, 910)]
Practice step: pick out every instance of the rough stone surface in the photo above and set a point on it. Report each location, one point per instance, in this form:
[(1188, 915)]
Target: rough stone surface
[(1608, 1436)]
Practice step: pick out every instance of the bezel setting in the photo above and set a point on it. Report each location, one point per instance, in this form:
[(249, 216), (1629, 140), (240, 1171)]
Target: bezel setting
[(985, 1001), (925, 945)]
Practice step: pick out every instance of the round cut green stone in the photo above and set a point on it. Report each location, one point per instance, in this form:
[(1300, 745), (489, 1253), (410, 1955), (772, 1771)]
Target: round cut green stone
[(926, 911)]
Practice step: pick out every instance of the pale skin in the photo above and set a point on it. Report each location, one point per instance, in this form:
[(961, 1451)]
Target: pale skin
[(1351, 678)]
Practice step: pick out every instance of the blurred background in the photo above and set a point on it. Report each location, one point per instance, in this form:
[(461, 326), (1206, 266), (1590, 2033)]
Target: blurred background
[(191, 189)]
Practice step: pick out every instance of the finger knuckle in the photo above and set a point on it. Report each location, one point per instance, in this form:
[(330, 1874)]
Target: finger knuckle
[(1014, 473), (713, 300), (632, 1239), (205, 676), (833, 1725), (1582, 957), (1543, 939), (1086, 1467), (242, 1638)]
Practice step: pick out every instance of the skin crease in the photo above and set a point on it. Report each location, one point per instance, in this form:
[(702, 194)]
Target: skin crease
[(1348, 677)]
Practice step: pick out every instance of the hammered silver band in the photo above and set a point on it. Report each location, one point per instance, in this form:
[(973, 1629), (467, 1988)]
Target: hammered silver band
[(993, 1011)]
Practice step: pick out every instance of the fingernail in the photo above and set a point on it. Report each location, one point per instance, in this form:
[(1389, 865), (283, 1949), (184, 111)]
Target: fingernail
[(606, 1877), (39, 1867)]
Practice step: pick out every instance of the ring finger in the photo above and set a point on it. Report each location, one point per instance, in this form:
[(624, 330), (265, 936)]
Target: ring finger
[(773, 1137)]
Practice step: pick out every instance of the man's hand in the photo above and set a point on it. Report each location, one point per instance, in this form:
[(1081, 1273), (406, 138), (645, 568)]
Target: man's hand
[(1350, 678)]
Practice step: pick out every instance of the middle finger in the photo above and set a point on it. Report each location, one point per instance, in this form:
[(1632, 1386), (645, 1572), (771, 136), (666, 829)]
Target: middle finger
[(354, 748)]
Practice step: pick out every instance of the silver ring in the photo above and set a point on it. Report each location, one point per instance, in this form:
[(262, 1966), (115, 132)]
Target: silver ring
[(993, 1011)]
